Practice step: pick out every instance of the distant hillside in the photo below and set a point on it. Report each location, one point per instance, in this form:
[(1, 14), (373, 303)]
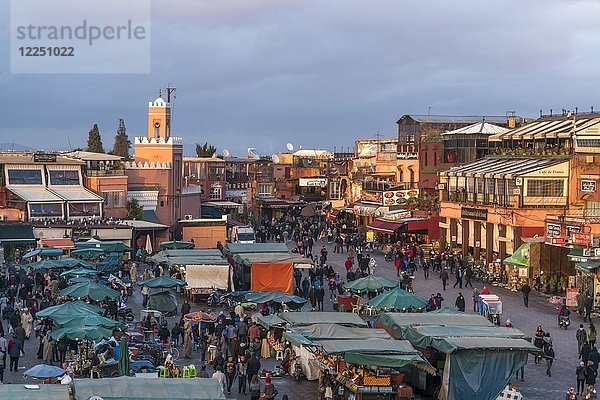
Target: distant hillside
[(15, 147)]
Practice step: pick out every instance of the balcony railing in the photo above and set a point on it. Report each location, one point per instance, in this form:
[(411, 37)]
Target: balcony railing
[(105, 172)]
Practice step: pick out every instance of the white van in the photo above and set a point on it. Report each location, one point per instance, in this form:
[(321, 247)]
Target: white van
[(243, 234)]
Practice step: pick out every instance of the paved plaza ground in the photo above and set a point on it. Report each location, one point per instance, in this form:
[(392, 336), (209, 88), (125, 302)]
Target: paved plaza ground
[(537, 385)]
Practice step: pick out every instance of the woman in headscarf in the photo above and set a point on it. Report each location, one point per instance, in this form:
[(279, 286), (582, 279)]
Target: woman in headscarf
[(26, 320), (48, 348), (187, 344)]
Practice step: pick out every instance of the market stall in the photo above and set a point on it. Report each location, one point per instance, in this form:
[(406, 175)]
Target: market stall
[(90, 290), (176, 245), (399, 300), (126, 388), (474, 358), (34, 392), (327, 317), (368, 368), (518, 267)]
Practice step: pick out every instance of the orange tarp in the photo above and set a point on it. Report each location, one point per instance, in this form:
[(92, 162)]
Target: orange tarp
[(65, 244), (272, 276)]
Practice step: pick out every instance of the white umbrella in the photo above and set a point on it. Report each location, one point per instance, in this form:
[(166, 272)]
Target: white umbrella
[(148, 245)]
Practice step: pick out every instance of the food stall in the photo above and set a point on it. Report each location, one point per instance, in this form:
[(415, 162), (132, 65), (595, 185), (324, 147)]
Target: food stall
[(491, 307), (368, 368), (474, 358)]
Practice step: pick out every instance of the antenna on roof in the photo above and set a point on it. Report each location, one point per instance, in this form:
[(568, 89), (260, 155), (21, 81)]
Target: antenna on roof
[(429, 111), (70, 147)]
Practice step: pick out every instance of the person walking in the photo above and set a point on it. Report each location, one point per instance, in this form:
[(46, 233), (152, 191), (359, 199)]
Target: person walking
[(230, 372), (591, 335), (468, 276), (538, 341), (581, 336), (312, 294), (526, 289), (549, 356), (580, 374), (242, 372), (254, 388), (444, 278), (426, 269), (3, 351), (252, 370), (219, 376), (459, 278), (439, 299), (460, 302), (590, 373), (320, 293), (15, 348), (588, 304)]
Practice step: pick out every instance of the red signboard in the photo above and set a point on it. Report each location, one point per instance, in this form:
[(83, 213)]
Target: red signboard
[(581, 239), (558, 240)]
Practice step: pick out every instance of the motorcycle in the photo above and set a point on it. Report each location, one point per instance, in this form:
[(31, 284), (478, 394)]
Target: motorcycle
[(389, 256), (218, 297), (564, 321), (126, 313)]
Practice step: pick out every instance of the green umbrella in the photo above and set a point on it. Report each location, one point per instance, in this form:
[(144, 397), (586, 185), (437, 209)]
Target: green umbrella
[(45, 264), (89, 320), (164, 302), (69, 309), (163, 282), (397, 299), (370, 283), (76, 263), (91, 290), (94, 333), (87, 254), (78, 272), (123, 358), (275, 296), (176, 245)]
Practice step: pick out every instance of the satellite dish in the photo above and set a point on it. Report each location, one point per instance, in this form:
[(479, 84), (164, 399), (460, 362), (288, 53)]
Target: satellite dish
[(226, 153), (253, 153), (290, 147), (275, 158)]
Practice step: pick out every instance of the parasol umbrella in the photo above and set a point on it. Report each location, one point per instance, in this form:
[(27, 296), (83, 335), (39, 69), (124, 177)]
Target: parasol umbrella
[(200, 316), (78, 272), (91, 290), (123, 358), (80, 279), (276, 296), (69, 308), (32, 253), (45, 264), (148, 247), (163, 301), (76, 263), (163, 282), (89, 320), (370, 284), (44, 371), (87, 254), (176, 245), (397, 299), (94, 333)]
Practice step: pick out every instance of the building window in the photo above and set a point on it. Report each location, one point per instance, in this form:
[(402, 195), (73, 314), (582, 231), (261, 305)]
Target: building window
[(264, 190), (588, 142), (84, 209), (215, 193), (435, 159), (64, 177), (24, 176), (334, 190), (545, 187), (425, 161), (114, 199)]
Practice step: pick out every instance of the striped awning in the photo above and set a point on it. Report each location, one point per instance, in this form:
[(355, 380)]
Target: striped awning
[(503, 166)]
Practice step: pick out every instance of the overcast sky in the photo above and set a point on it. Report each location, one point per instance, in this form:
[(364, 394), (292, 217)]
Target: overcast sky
[(261, 73)]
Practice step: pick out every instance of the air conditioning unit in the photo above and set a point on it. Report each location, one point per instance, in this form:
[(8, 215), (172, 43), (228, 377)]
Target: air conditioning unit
[(188, 217)]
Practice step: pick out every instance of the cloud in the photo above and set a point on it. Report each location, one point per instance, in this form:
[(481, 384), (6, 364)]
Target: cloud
[(264, 72)]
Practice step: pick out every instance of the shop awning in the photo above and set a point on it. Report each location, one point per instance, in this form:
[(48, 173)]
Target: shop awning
[(76, 194), (380, 225), (587, 266), (520, 258), (150, 216), (65, 244), (364, 210), (505, 167), (13, 233)]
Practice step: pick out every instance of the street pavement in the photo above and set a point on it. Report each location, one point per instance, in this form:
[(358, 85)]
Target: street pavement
[(536, 386)]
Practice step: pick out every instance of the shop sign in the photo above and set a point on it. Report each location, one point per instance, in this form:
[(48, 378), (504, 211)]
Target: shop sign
[(588, 186), (44, 157), (552, 230), (236, 193), (558, 240), (581, 239), (560, 170), (81, 232), (572, 297), (313, 182), (372, 197), (572, 229), (370, 236), (523, 272), (475, 214), (398, 196)]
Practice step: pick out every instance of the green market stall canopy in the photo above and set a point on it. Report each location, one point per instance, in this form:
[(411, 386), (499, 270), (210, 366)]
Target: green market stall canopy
[(91, 290), (370, 283), (175, 245), (162, 282), (397, 299), (310, 318)]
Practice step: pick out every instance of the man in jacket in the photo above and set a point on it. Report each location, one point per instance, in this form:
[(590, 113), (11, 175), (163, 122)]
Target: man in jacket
[(15, 348), (253, 366), (444, 278), (588, 303), (460, 302), (526, 289), (581, 336)]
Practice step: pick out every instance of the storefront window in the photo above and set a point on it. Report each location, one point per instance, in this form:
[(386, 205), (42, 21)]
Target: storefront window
[(24, 176), (84, 209), (49, 210), (545, 187), (64, 177)]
